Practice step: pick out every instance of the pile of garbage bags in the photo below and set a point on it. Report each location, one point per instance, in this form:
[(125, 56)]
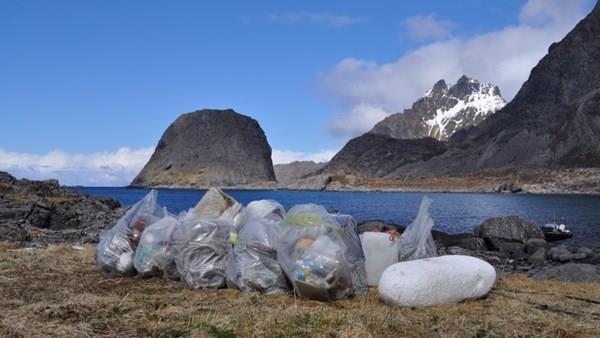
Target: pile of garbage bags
[(258, 248)]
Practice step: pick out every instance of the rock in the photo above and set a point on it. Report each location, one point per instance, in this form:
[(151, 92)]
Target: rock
[(511, 229), (534, 244), (209, 148), (538, 258), (42, 212), (585, 251), (291, 173), (561, 254), (430, 117), (437, 280), (570, 272)]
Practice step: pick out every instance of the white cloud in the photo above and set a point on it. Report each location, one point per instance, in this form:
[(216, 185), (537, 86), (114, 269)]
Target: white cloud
[(427, 27), (363, 89), (280, 156), (327, 19), (95, 169)]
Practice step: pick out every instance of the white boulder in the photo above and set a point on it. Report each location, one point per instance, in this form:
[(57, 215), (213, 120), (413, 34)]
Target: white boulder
[(437, 280)]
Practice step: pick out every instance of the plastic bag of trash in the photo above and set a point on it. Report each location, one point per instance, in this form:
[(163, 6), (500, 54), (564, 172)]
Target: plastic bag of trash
[(152, 255), (215, 204), (416, 242), (321, 254), (201, 251), (253, 266), (117, 246)]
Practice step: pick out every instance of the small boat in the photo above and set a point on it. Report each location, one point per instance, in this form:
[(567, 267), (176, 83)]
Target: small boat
[(556, 232)]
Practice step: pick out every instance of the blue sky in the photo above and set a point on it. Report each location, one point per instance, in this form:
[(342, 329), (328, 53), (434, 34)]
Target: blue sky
[(80, 80)]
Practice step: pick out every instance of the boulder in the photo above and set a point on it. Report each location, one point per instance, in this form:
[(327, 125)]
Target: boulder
[(508, 234), (570, 272), (534, 244), (538, 258), (436, 280), (561, 254)]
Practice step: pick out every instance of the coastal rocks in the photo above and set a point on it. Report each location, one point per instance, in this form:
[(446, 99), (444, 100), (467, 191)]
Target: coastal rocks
[(436, 280), (42, 212), (509, 234), (561, 254), (570, 272), (538, 258), (209, 148)]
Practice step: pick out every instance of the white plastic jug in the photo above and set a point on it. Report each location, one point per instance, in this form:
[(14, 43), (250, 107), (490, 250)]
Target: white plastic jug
[(380, 252)]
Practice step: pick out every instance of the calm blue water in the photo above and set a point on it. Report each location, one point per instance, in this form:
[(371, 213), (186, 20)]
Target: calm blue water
[(452, 212)]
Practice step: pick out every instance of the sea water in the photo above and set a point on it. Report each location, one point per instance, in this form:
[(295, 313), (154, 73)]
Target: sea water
[(451, 212)]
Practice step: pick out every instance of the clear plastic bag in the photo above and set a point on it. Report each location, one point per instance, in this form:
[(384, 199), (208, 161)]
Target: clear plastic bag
[(117, 246), (201, 249), (417, 242), (152, 255), (253, 266), (215, 204), (321, 254)]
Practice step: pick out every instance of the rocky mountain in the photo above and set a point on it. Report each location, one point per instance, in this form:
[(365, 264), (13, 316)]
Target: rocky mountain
[(376, 155), (553, 121), (209, 148), (444, 110), (41, 212), (292, 172)]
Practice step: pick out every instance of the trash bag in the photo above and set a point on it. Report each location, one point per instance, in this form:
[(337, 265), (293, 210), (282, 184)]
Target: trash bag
[(201, 251), (253, 266), (215, 204), (117, 246), (152, 255), (416, 242), (321, 254)]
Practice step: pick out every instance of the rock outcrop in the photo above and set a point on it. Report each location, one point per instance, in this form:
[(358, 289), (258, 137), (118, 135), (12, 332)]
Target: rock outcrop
[(444, 110), (209, 148), (376, 155), (290, 173), (42, 212)]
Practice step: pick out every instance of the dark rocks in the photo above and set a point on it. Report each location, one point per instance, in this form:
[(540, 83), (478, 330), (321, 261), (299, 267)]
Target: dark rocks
[(209, 148), (561, 254), (534, 244), (571, 272), (41, 212), (538, 258), (508, 234)]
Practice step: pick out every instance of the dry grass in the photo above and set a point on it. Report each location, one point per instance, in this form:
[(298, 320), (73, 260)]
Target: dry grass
[(57, 292)]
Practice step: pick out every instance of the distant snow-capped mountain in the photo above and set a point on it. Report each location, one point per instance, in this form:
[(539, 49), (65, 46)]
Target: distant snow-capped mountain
[(444, 110)]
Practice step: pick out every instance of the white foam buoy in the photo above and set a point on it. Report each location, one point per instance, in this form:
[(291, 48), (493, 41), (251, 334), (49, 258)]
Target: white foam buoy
[(436, 280), (380, 252)]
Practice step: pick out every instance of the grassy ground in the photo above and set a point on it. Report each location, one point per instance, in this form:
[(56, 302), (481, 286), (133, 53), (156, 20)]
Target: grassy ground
[(57, 292)]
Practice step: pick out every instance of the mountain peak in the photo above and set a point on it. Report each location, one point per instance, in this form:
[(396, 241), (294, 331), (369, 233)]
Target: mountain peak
[(444, 110)]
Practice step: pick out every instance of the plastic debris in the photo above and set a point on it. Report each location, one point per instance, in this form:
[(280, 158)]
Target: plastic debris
[(253, 266), (215, 204), (416, 242), (152, 256), (201, 251), (117, 246), (321, 254), (381, 251), (436, 280)]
